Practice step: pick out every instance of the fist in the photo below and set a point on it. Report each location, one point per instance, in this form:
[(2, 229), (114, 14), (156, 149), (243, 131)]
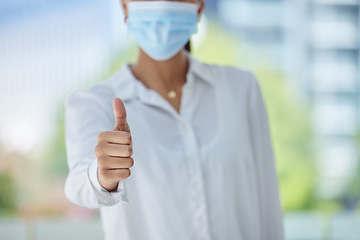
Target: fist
[(114, 150)]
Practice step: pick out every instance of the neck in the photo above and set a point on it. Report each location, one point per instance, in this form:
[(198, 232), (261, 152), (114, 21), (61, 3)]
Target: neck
[(170, 72)]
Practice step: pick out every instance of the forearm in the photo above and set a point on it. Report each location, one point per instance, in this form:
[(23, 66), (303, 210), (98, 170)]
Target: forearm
[(78, 187)]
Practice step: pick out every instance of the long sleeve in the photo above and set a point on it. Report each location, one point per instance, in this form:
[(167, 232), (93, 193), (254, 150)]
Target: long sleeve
[(270, 208), (86, 115)]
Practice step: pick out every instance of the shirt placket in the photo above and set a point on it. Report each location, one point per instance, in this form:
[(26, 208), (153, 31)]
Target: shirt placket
[(192, 151)]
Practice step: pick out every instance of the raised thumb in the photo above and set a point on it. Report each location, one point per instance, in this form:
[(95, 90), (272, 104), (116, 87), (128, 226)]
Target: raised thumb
[(120, 115)]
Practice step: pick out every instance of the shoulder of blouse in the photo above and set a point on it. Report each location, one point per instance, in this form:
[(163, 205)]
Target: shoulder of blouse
[(233, 76), (239, 74)]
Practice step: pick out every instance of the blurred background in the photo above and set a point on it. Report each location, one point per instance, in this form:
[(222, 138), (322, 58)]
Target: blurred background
[(305, 54)]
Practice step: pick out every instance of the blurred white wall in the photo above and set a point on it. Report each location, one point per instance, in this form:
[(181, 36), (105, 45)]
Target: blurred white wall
[(47, 48)]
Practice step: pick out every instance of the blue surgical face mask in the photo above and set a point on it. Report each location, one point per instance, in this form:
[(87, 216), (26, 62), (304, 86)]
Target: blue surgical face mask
[(161, 28)]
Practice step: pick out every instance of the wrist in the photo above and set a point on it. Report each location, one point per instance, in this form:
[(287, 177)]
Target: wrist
[(106, 185)]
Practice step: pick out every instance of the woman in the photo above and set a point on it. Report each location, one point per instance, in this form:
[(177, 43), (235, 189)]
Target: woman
[(195, 136)]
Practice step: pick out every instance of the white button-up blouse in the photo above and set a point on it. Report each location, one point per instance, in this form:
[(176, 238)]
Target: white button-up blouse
[(207, 172)]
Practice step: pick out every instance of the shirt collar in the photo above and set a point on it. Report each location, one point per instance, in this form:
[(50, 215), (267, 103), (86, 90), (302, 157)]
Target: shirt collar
[(128, 87), (200, 69)]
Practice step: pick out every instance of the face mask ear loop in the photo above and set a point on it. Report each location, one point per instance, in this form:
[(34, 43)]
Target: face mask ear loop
[(199, 15), (126, 17)]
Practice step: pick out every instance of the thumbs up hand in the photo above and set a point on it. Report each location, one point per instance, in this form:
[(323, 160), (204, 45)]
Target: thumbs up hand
[(114, 150)]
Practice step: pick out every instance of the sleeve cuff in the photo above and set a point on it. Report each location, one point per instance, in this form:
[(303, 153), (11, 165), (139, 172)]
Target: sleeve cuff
[(103, 196)]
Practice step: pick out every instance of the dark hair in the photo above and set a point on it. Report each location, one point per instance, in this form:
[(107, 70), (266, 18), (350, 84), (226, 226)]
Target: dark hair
[(187, 46)]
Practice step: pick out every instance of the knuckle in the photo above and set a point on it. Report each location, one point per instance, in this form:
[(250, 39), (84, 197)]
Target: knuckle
[(129, 150), (128, 138), (123, 115), (126, 173), (99, 150), (131, 162), (128, 163), (101, 136)]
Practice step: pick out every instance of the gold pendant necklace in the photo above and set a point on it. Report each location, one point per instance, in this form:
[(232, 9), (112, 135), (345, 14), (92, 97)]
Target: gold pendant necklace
[(172, 94)]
